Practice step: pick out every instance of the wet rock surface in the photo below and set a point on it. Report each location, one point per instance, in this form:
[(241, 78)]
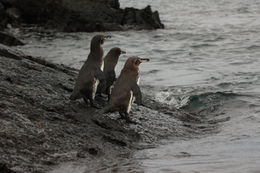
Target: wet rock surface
[(79, 15), (40, 128), (3, 17), (5, 169), (9, 40)]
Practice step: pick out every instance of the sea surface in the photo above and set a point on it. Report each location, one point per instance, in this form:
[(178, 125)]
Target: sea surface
[(206, 61)]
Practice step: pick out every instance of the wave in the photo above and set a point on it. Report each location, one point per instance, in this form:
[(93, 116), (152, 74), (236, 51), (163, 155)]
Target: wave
[(219, 38), (200, 113), (202, 45), (231, 84), (254, 47), (180, 102), (206, 99)]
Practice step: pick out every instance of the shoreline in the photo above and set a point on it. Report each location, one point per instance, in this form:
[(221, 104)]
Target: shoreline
[(41, 128)]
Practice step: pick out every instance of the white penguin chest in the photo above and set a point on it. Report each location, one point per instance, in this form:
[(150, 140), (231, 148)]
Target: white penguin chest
[(102, 66), (95, 88), (138, 80), (132, 98), (97, 82)]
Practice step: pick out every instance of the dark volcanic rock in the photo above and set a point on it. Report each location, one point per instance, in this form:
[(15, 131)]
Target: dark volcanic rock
[(1, 8), (82, 15), (9, 40), (144, 18), (41, 128), (5, 169), (3, 17)]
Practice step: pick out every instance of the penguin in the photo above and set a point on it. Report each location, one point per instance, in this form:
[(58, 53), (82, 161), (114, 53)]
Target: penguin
[(126, 89), (91, 73), (110, 62)]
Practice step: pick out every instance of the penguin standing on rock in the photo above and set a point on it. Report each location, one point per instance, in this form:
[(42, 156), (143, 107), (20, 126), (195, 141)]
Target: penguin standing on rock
[(110, 62), (91, 73), (126, 89)]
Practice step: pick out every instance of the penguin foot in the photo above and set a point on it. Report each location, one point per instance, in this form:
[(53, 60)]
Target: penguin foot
[(95, 105), (127, 118), (120, 118), (129, 121), (103, 96)]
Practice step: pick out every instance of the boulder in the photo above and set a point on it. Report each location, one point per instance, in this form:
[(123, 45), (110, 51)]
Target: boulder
[(143, 19), (82, 15)]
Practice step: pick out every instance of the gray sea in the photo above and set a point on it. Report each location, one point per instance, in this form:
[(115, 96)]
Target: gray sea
[(206, 61)]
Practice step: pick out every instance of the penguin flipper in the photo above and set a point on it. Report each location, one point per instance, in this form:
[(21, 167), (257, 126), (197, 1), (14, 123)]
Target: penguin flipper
[(137, 93), (99, 74), (101, 77), (111, 77)]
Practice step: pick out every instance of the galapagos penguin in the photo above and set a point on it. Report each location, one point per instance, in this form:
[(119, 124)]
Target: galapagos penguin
[(110, 62), (126, 89), (91, 73)]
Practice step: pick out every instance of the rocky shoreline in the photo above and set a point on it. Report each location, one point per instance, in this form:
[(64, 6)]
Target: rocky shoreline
[(40, 128), (77, 16)]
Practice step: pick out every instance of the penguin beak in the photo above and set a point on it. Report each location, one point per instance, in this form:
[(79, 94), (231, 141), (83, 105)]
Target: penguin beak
[(107, 37), (144, 60), (123, 52)]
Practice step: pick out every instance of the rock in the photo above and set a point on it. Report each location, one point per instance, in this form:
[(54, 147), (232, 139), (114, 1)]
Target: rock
[(82, 15), (92, 150), (8, 3), (3, 17), (9, 40), (142, 19), (13, 13), (2, 9), (113, 3), (40, 127), (10, 53), (151, 18), (5, 169)]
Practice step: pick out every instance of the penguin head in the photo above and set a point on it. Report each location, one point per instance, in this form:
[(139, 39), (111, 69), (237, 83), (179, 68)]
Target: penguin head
[(116, 51), (99, 39), (134, 62)]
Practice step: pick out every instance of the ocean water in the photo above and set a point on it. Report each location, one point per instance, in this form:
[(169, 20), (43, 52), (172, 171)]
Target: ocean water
[(206, 61)]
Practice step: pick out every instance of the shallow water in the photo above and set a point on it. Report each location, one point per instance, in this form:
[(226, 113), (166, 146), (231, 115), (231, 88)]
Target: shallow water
[(206, 62)]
